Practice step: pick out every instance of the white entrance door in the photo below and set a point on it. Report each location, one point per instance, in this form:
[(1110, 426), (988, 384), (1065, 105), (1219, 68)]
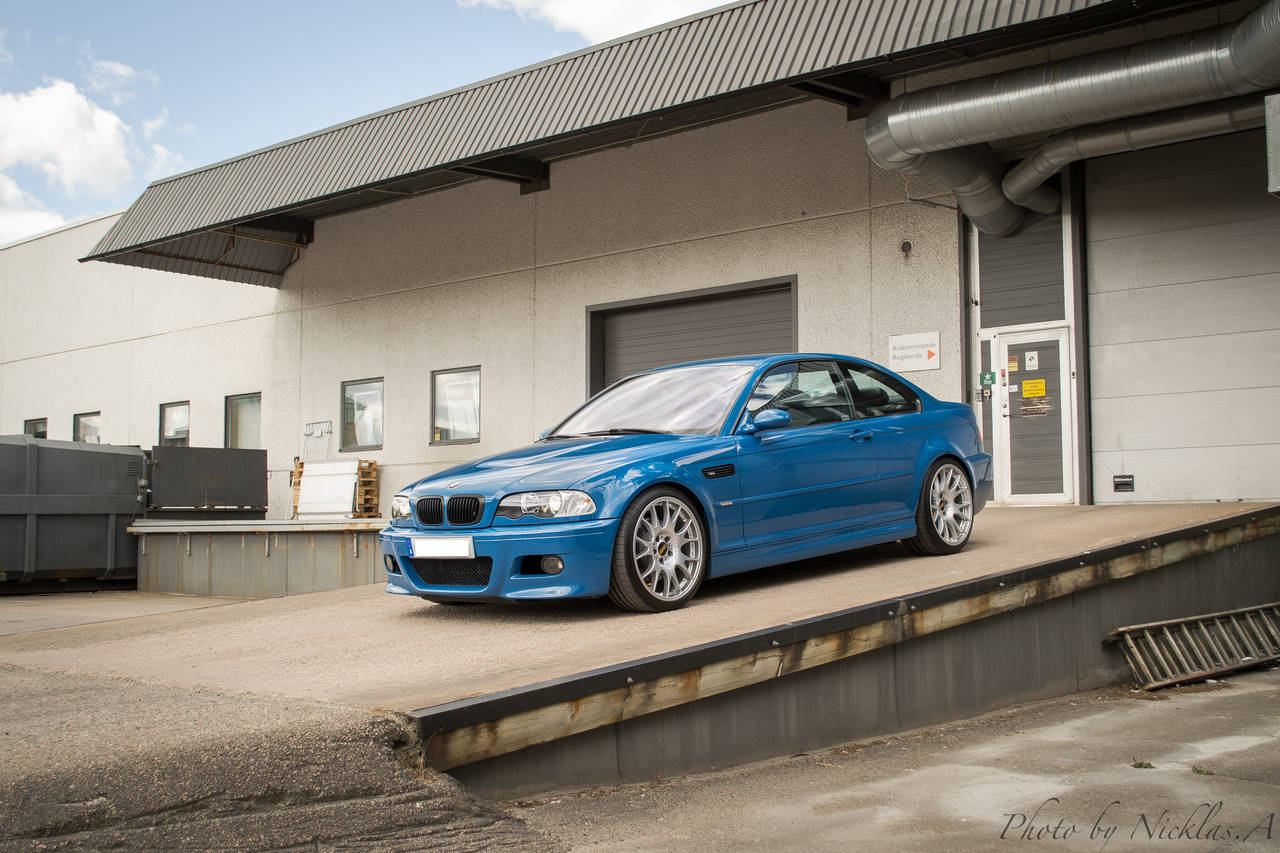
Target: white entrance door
[(1033, 417)]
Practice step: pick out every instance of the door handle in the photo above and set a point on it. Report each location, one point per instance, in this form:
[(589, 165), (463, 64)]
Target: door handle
[(861, 435)]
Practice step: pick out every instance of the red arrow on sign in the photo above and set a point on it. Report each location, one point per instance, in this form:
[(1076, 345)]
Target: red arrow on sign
[(931, 354)]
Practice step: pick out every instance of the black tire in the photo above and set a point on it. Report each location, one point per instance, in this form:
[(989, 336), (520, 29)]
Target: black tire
[(944, 512), (660, 553)]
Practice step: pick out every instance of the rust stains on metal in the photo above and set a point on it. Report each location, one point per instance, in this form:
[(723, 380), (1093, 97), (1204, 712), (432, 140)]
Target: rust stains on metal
[(904, 621)]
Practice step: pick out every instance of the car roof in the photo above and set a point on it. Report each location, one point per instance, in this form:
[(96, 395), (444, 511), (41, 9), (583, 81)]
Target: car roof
[(759, 360)]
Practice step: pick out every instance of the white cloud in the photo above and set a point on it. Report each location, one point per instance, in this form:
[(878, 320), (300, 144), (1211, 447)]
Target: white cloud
[(21, 214), (152, 126), (116, 80), (600, 20), (59, 131), (163, 163)]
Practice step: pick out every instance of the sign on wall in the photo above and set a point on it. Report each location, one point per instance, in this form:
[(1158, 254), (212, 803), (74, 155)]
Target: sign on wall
[(918, 351)]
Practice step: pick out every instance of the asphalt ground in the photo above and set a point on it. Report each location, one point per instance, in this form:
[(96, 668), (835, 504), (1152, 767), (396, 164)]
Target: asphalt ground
[(171, 723), (362, 647), (1194, 768)]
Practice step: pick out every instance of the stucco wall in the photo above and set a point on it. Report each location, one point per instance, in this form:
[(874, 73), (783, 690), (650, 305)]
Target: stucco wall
[(480, 274)]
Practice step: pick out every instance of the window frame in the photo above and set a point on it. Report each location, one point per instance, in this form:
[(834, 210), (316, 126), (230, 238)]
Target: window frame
[(26, 426), (226, 417), (431, 425), (76, 420), (342, 414)]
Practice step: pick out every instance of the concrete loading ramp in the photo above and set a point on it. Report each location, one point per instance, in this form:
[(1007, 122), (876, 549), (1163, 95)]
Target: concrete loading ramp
[(461, 672)]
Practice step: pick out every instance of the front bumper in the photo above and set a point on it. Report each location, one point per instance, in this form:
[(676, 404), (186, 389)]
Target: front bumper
[(586, 547)]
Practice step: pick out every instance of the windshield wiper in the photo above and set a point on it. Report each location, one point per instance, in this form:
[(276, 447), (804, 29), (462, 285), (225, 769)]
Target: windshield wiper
[(629, 431), (556, 435)]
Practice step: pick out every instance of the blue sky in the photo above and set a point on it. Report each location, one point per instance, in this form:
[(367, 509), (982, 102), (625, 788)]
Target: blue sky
[(97, 99)]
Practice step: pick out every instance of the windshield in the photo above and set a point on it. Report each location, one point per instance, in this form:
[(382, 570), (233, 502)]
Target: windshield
[(683, 400)]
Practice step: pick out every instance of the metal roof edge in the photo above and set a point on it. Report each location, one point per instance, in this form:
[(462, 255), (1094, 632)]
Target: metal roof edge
[(564, 57)]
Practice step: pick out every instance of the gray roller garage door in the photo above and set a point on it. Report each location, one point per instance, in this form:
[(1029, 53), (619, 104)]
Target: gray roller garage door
[(1184, 322), (642, 337)]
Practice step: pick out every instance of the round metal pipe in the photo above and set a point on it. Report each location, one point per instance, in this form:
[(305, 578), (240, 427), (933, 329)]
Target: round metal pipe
[(1111, 84), (1024, 184)]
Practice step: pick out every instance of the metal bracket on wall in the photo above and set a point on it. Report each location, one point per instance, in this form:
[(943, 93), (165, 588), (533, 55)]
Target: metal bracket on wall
[(532, 175)]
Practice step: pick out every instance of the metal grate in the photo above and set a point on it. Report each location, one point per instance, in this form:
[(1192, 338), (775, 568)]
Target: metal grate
[(431, 511), (1179, 651), (465, 509), (454, 572)]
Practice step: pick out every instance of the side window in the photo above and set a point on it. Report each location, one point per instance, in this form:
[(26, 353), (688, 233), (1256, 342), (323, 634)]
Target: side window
[(361, 415), (175, 424), (455, 406), (811, 391), (876, 394)]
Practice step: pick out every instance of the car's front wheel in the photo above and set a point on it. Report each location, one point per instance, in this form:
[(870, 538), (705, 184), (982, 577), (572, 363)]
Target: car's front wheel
[(660, 555), (944, 515)]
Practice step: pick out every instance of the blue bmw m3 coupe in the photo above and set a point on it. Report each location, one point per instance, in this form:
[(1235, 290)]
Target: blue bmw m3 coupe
[(699, 470)]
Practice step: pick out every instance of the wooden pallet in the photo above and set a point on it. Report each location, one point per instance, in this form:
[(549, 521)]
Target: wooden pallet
[(366, 503), (297, 484)]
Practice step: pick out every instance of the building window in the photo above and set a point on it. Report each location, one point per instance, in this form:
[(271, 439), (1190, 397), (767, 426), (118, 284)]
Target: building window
[(87, 427), (455, 406), (244, 422), (175, 424), (362, 414), (36, 428)]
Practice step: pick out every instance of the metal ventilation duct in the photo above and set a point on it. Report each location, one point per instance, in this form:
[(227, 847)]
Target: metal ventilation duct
[(1024, 184), (1111, 84)]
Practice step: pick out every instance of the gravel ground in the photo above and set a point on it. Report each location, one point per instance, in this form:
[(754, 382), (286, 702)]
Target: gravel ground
[(95, 763)]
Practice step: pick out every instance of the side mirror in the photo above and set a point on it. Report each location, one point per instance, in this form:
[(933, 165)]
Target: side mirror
[(546, 432), (767, 419)]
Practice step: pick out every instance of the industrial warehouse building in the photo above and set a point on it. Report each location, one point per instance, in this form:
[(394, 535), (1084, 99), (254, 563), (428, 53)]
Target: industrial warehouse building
[(448, 278)]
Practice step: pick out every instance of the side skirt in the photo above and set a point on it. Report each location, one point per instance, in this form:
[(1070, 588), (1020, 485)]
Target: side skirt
[(748, 559)]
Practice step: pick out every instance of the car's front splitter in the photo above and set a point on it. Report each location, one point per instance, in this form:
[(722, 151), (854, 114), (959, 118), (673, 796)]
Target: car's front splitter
[(586, 547)]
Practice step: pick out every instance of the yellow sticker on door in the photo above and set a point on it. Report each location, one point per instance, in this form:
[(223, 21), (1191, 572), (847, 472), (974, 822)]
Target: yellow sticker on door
[(1033, 388)]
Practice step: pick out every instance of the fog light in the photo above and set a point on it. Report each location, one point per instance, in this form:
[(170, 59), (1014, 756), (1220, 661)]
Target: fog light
[(552, 565), (390, 562)]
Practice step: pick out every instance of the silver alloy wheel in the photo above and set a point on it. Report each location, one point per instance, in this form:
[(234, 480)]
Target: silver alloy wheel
[(951, 504), (668, 548)]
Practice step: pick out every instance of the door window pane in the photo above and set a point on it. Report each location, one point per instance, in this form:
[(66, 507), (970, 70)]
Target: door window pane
[(175, 424), (244, 422), (455, 406), (87, 427), (875, 393), (362, 415), (37, 428), (811, 391)]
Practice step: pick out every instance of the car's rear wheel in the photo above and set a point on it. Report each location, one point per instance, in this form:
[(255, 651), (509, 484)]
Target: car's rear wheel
[(944, 515), (660, 555)]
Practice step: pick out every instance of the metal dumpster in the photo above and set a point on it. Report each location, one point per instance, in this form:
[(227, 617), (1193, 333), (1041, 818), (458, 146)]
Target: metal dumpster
[(65, 508)]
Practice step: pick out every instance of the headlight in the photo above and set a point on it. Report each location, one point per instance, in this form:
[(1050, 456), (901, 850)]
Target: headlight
[(401, 509), (560, 504)]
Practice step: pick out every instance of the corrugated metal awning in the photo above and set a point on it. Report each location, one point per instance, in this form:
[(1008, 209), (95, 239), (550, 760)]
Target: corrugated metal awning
[(248, 218)]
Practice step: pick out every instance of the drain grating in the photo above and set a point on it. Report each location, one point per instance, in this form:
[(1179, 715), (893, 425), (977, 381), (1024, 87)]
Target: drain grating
[(1179, 651)]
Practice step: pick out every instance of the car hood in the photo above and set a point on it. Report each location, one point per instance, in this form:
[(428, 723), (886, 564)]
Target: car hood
[(556, 464)]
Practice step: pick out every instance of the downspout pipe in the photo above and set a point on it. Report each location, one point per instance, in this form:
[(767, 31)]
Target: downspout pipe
[(1111, 84), (1024, 184)]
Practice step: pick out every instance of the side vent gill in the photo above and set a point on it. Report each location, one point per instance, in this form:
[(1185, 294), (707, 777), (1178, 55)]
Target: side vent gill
[(717, 471)]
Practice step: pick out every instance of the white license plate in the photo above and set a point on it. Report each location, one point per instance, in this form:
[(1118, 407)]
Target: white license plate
[(442, 546)]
